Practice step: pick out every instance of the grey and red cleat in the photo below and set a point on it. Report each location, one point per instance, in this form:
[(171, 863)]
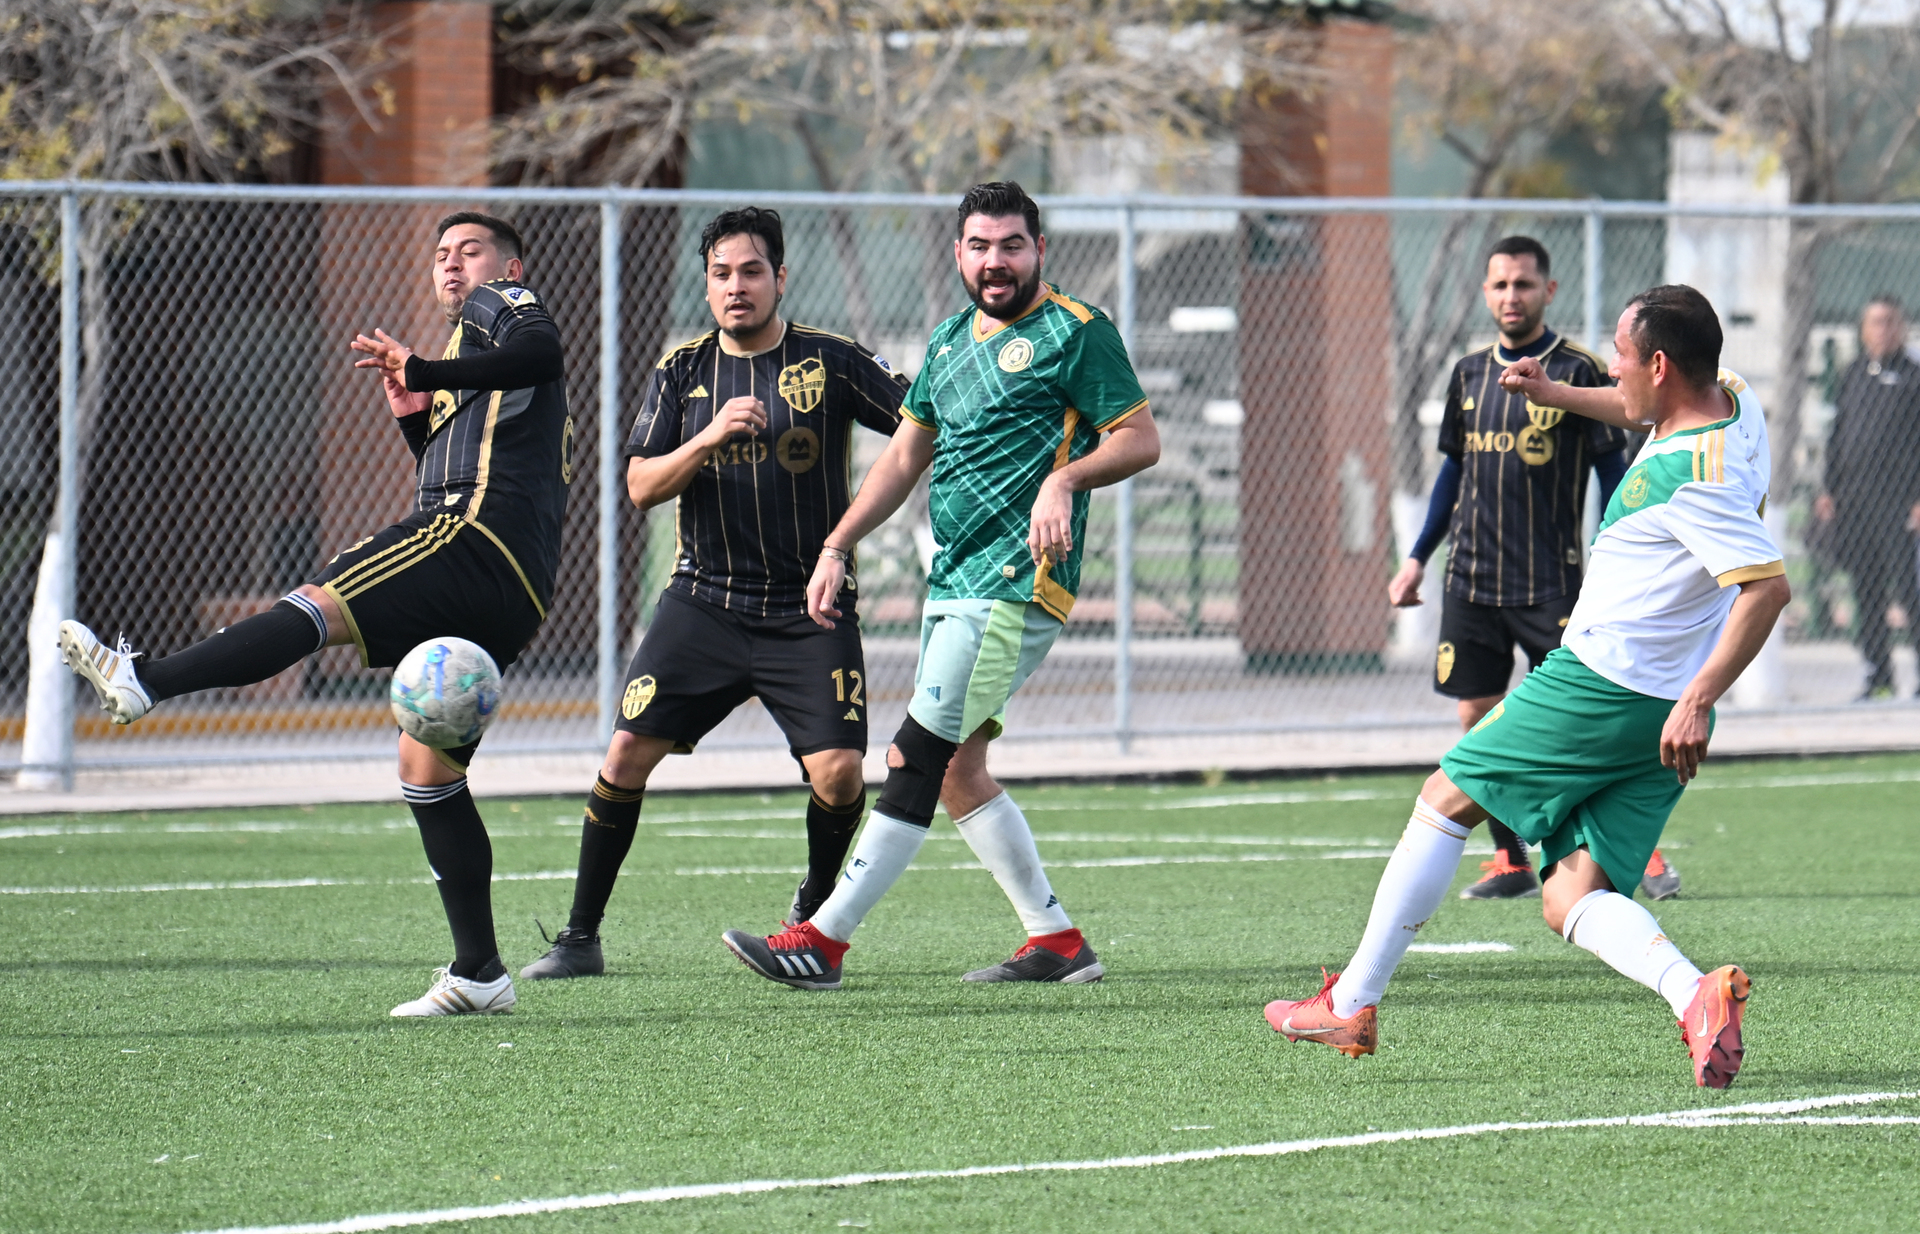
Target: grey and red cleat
[(1711, 1028), (1503, 880), (801, 957), (1661, 881), (1065, 957), (1312, 1019)]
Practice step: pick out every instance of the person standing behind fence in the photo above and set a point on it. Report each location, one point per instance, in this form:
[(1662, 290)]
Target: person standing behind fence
[(477, 559), (750, 428), (1872, 499), (1511, 491)]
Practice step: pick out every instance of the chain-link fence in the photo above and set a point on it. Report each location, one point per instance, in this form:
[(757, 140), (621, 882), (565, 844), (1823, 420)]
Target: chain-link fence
[(185, 439)]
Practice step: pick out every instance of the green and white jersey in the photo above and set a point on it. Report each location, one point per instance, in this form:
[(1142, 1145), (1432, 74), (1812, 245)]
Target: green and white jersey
[(1683, 528), (1008, 403)]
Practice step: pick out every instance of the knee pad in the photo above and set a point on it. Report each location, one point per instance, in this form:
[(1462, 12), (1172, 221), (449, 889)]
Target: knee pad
[(912, 792)]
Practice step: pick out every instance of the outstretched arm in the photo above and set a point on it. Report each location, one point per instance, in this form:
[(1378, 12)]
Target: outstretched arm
[(1683, 742), (888, 482), (1603, 403)]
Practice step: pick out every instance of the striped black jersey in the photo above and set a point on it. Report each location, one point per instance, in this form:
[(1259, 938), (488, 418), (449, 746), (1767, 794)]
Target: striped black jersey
[(751, 523), (1523, 476), (497, 442)]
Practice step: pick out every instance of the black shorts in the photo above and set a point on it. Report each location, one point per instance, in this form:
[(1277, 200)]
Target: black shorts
[(698, 662), (431, 575), (1475, 659)]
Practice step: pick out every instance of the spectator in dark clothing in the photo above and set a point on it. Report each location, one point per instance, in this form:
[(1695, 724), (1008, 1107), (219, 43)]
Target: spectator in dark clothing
[(1872, 498)]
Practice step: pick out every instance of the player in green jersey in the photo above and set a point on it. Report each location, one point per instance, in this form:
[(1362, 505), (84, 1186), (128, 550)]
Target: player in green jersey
[(1025, 403)]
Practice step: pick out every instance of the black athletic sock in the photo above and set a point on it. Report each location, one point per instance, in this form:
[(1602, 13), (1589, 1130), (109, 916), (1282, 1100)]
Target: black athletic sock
[(1511, 844), (245, 652), (462, 860), (829, 834), (613, 814)]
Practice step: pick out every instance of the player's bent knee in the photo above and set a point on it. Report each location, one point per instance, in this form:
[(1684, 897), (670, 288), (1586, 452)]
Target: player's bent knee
[(836, 776), (631, 759), (912, 791), (423, 765)]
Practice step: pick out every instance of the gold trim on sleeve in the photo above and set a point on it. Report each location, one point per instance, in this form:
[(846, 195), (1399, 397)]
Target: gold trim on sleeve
[(1750, 574)]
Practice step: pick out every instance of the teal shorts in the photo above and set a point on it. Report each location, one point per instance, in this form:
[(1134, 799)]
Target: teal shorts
[(1571, 760), (973, 655)]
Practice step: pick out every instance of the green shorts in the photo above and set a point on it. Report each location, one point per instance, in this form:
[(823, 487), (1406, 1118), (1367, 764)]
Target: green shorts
[(1571, 760), (973, 655)]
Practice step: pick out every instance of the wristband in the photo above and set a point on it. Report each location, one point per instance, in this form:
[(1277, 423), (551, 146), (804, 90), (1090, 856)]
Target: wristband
[(838, 554)]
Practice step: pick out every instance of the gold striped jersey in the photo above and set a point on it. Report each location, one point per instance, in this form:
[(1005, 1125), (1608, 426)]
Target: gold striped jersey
[(1523, 476), (496, 445), (750, 525)]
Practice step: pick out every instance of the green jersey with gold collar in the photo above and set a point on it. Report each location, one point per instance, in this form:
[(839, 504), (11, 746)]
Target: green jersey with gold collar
[(1008, 403)]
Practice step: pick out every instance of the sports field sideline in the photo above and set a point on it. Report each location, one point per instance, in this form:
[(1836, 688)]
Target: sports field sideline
[(193, 1029)]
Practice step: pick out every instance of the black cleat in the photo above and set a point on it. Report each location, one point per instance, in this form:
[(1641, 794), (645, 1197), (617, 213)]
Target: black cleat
[(575, 953), (1504, 880), (793, 957), (806, 902), (1036, 963)]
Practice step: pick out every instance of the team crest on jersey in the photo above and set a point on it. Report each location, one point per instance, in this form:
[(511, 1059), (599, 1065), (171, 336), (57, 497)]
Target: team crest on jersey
[(1534, 447), (803, 385), (1016, 355), (1443, 663), (639, 693), (797, 450), (441, 411), (1634, 495), (566, 452), (519, 297)]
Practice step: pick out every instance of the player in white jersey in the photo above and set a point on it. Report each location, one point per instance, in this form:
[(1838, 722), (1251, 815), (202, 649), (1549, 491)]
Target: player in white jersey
[(1588, 757)]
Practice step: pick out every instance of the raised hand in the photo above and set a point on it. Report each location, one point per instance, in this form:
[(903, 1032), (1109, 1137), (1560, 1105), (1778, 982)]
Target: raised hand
[(390, 357)]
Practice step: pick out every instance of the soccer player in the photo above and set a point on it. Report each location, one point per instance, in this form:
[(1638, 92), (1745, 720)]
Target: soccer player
[(1590, 753), (1510, 493), (750, 426), (489, 431), (1009, 411)]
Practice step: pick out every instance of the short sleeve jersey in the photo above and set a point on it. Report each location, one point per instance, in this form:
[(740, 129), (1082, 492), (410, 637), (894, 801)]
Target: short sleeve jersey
[(502, 457), (1523, 477), (750, 525), (1009, 403), (1682, 530)]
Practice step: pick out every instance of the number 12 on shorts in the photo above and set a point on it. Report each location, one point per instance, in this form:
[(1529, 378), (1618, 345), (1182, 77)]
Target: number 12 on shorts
[(840, 679)]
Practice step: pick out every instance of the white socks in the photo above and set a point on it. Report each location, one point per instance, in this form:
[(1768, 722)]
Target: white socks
[(885, 850), (1627, 937), (1416, 880), (998, 835)]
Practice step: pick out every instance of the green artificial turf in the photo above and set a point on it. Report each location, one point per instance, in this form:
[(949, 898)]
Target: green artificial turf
[(198, 1059)]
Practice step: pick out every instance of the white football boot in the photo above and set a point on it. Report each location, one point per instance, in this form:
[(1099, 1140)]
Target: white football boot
[(109, 670), (451, 995)]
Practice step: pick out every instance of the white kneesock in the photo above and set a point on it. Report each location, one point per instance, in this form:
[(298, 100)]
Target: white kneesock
[(1628, 938), (1416, 880), (885, 850), (998, 834)]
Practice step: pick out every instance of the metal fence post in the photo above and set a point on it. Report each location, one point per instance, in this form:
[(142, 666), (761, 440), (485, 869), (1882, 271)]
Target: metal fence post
[(1596, 266), (67, 503), (1123, 523), (607, 693)]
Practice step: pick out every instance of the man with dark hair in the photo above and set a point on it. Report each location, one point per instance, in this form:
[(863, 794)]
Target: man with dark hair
[(1009, 410), (491, 438), (1590, 753), (1871, 497), (1511, 491), (750, 426)]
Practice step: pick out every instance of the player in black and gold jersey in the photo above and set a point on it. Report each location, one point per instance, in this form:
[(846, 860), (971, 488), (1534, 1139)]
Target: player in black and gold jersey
[(1511, 491), (750, 426), (489, 430)]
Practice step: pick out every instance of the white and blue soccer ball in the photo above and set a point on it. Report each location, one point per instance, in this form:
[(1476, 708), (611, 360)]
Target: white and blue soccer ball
[(445, 692)]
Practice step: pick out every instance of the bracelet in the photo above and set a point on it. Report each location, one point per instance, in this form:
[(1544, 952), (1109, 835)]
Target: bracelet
[(838, 554)]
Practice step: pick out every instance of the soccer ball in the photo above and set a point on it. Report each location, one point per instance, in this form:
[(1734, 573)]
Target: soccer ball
[(445, 692)]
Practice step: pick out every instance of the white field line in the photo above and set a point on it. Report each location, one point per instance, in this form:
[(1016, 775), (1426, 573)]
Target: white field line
[(1770, 1113), (1087, 863), (1459, 948), (273, 884)]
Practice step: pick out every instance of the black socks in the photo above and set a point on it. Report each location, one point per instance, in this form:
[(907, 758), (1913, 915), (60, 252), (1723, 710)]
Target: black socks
[(829, 834), (1503, 839), (245, 652), (613, 814), (462, 860)]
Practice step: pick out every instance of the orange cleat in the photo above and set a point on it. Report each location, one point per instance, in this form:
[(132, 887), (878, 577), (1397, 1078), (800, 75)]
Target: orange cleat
[(1313, 1020), (1712, 1027), (1503, 880)]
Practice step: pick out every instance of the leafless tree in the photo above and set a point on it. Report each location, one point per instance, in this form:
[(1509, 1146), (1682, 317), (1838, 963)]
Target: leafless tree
[(1832, 95)]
